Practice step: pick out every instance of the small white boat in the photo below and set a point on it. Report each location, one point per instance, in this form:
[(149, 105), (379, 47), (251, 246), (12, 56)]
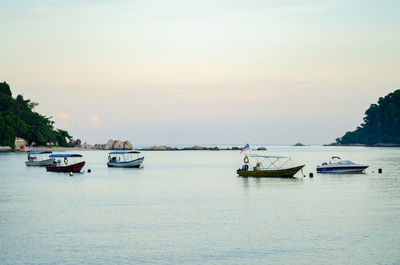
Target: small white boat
[(125, 159), (39, 159), (337, 165)]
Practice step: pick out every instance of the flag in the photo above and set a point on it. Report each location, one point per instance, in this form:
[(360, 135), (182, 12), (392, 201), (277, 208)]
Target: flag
[(245, 148)]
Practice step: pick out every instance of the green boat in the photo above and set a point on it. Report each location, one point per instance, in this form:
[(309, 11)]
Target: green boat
[(278, 167)]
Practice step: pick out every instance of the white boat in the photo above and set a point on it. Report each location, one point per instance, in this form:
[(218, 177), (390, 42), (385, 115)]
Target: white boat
[(337, 165), (39, 159), (125, 159)]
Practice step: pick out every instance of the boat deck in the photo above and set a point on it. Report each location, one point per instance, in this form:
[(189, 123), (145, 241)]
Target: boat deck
[(276, 173)]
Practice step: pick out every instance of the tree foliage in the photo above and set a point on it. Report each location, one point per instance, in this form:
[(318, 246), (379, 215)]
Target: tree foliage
[(18, 118), (381, 123)]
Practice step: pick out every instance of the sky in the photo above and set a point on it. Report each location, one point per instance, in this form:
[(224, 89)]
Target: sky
[(202, 72)]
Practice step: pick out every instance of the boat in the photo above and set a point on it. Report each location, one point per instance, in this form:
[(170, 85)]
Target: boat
[(269, 166), (39, 159), (58, 165), (337, 165), (125, 159)]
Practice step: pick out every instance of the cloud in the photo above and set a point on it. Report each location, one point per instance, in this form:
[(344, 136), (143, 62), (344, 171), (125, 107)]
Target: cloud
[(63, 120), (64, 116), (95, 121)]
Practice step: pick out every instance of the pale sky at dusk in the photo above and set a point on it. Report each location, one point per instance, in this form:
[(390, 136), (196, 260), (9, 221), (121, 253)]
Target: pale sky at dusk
[(202, 72)]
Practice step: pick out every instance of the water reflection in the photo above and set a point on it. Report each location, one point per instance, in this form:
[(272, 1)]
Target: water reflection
[(248, 182), (192, 206)]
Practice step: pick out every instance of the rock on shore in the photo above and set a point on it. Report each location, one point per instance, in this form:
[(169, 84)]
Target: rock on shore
[(159, 148), (189, 148), (5, 149), (115, 145), (109, 145), (75, 143)]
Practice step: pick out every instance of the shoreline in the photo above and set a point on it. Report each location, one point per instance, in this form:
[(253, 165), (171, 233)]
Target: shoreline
[(364, 145), (151, 148)]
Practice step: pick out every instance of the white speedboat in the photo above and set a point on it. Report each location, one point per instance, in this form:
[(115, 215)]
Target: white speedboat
[(337, 165), (39, 159), (125, 159)]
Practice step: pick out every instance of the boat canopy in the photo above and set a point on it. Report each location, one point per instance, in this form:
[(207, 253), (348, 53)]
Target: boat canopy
[(274, 162), (39, 152), (66, 155), (124, 152)]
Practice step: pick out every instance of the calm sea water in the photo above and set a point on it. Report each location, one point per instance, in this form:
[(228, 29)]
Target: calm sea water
[(191, 208)]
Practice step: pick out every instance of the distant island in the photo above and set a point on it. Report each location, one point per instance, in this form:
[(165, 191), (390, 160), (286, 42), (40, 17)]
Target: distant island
[(381, 126), (18, 119)]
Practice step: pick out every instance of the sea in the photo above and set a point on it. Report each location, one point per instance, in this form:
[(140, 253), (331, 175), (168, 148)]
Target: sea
[(190, 207)]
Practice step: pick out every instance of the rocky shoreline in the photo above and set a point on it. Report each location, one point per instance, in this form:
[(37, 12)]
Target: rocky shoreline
[(113, 146), (110, 145), (126, 145), (196, 148), (365, 145), (5, 149)]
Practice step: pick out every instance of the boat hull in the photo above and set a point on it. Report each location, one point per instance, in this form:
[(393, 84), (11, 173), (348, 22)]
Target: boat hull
[(69, 168), (41, 163), (343, 169), (277, 173), (133, 163)]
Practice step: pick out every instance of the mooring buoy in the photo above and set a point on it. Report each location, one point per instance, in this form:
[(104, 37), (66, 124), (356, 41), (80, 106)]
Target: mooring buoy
[(311, 175), (89, 170), (380, 170)]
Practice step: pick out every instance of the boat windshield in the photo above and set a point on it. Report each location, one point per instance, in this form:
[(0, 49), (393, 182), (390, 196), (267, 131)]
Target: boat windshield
[(337, 160), (346, 162)]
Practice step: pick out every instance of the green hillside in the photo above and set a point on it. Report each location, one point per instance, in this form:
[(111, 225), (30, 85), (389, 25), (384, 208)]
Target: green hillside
[(18, 118), (381, 124)]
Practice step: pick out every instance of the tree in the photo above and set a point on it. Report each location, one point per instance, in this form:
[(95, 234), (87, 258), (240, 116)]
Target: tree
[(381, 123), (5, 88), (17, 118), (62, 137)]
